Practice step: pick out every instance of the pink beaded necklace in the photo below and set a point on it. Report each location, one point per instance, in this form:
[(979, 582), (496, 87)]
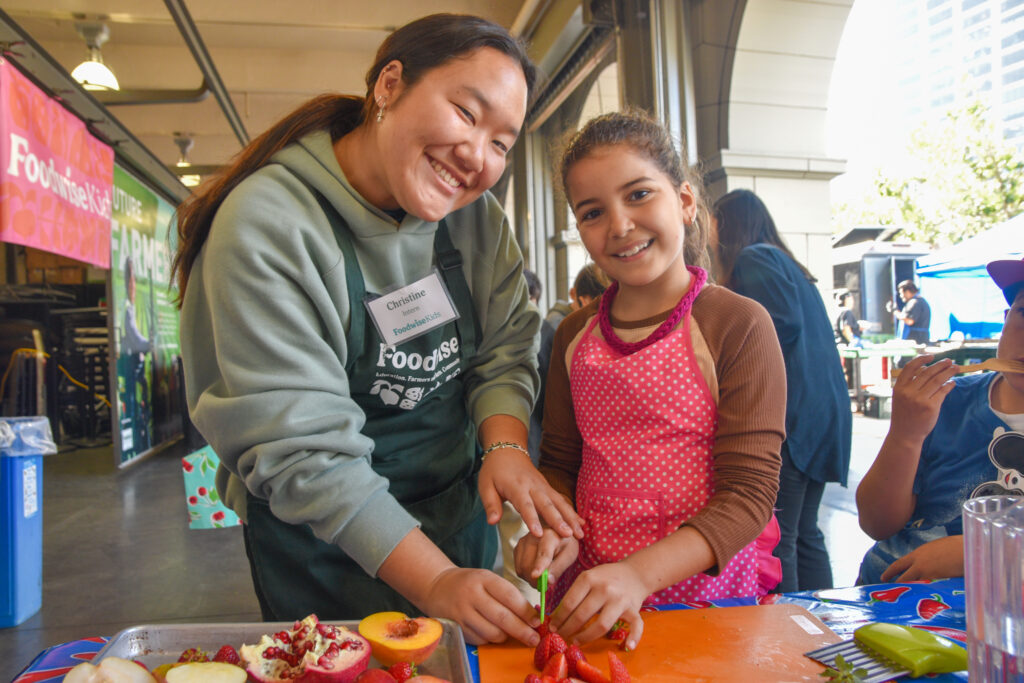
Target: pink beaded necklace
[(699, 277)]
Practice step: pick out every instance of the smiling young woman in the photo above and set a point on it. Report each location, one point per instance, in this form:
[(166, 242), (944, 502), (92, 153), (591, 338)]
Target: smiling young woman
[(350, 425)]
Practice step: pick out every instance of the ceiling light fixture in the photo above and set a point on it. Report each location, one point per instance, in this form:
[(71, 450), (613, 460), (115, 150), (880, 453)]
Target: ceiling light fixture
[(184, 143), (93, 74)]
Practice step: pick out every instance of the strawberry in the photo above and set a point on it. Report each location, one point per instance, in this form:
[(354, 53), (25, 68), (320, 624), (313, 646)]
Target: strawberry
[(402, 671), (889, 594), (550, 643), (548, 679), (556, 667), (617, 669), (590, 673), (618, 631), (573, 655), (533, 678), (227, 655), (194, 654), (927, 608)]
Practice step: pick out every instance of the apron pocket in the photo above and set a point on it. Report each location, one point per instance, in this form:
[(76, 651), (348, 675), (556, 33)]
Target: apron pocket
[(620, 522)]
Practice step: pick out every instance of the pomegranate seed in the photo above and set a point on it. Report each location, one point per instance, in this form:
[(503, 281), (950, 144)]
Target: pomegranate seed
[(325, 662), (333, 651)]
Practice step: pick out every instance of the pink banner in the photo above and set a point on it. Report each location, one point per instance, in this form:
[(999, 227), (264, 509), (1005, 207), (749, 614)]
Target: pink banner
[(56, 179)]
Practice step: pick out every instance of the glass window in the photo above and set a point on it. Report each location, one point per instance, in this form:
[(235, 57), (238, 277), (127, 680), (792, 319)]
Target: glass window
[(940, 16), (1013, 57), (1013, 39), (1010, 4), (1013, 76), (979, 17), (968, 4)]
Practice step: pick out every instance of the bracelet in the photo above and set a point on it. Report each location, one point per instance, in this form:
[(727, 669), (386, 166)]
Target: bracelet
[(503, 444)]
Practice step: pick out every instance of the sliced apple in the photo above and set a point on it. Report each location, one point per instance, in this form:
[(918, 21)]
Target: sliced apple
[(110, 670), (394, 637), (206, 672)]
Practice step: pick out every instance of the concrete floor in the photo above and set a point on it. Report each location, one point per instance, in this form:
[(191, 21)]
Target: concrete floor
[(117, 551)]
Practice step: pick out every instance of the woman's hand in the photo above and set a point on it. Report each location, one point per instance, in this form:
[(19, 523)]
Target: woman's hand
[(508, 474), (487, 607), (942, 558), (918, 394), (597, 599), (552, 552)]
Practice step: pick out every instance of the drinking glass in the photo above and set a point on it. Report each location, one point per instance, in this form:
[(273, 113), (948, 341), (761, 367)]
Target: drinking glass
[(993, 577)]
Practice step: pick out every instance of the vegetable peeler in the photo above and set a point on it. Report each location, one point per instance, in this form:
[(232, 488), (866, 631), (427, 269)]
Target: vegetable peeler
[(887, 651)]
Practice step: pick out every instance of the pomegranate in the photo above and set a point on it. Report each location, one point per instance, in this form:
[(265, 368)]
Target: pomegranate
[(310, 652)]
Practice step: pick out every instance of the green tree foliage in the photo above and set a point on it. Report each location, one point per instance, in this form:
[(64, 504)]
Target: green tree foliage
[(961, 178)]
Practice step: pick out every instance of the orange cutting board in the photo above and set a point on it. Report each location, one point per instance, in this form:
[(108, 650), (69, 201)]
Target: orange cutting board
[(748, 644)]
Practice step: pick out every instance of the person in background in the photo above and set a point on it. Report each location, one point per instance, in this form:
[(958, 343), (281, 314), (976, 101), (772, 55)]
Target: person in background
[(662, 421), (950, 438), (359, 345), (916, 314), (756, 263), (533, 286), (847, 329), (589, 284), (847, 332)]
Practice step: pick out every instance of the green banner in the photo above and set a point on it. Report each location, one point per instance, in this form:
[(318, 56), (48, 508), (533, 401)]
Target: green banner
[(144, 319)]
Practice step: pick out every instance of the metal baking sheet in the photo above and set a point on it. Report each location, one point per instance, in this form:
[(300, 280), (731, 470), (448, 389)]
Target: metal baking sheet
[(156, 644)]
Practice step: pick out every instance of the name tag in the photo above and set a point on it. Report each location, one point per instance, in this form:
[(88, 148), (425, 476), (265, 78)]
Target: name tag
[(412, 310)]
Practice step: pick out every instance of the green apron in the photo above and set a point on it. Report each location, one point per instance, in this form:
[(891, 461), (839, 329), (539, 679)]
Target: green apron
[(424, 444)]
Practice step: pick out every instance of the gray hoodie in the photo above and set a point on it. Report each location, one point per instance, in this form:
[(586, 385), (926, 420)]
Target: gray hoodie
[(263, 327)]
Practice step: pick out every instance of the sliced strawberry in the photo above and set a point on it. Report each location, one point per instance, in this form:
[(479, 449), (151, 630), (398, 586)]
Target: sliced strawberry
[(617, 669), (402, 671), (573, 655), (548, 679), (227, 655), (550, 644), (557, 666), (533, 678), (590, 673)]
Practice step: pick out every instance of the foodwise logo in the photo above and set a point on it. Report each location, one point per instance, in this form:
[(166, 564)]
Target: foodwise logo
[(414, 375), (391, 393)]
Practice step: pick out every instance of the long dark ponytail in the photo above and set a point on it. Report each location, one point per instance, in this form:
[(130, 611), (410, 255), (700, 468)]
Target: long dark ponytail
[(420, 46)]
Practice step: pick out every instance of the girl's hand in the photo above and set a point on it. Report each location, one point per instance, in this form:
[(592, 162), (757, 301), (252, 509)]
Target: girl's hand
[(597, 599), (508, 474), (487, 607), (917, 397), (942, 558), (552, 552)]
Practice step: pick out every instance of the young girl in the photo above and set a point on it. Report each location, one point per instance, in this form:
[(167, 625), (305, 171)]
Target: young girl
[(664, 409)]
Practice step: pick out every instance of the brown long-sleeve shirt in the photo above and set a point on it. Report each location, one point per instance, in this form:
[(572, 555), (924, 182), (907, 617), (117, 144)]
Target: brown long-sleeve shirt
[(738, 353)]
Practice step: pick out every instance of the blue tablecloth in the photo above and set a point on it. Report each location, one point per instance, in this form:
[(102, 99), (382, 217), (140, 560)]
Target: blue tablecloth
[(937, 606)]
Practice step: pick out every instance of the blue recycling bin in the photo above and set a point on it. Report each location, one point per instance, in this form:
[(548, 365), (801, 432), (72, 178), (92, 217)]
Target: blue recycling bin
[(23, 442)]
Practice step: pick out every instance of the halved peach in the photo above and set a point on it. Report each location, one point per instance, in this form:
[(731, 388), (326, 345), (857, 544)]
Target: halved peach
[(394, 637)]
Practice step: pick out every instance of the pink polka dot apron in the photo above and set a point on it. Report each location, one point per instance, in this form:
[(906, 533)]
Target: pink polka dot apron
[(648, 423)]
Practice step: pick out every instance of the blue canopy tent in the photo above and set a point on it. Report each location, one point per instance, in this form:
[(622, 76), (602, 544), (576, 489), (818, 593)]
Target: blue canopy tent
[(955, 283)]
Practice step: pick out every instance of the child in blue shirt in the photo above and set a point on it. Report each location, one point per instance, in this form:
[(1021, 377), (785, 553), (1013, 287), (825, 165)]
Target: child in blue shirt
[(950, 439)]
